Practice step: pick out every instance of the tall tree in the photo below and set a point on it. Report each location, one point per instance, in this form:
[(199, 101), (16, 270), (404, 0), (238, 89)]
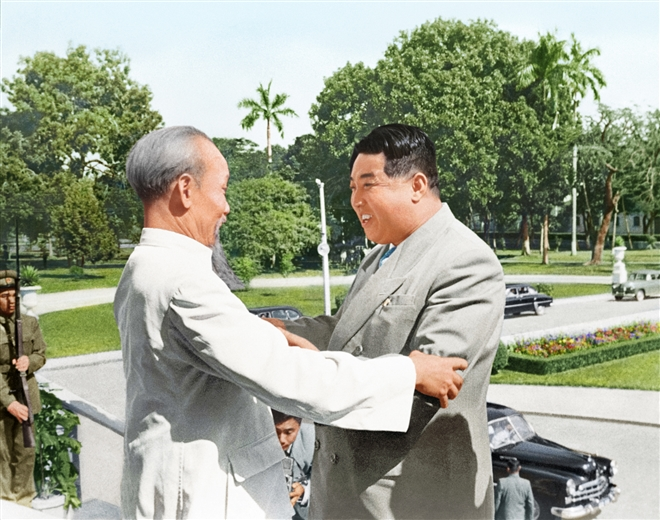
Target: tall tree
[(78, 114), (80, 225), (270, 223), (562, 77), (453, 80), (268, 109)]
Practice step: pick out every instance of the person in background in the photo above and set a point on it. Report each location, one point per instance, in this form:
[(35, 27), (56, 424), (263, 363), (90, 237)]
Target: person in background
[(514, 497), (17, 461), (298, 442)]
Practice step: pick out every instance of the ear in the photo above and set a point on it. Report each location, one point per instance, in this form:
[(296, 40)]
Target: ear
[(419, 185), (184, 190)]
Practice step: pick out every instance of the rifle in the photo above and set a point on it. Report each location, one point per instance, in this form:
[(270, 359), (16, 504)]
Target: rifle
[(28, 434)]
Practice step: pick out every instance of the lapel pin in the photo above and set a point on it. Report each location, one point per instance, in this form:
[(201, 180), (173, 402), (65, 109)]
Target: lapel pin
[(387, 302)]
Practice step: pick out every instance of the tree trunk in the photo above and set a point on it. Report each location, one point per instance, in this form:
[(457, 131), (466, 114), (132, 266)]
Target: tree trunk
[(524, 234), (589, 231), (545, 240), (627, 224), (610, 206), (269, 141)]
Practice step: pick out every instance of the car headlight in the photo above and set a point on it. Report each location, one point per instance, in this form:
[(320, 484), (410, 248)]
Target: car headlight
[(570, 487), (613, 469)]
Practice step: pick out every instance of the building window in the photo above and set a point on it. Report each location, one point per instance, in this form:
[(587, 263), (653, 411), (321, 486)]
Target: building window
[(637, 222)]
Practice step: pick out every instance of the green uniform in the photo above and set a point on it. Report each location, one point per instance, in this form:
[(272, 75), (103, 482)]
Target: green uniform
[(16, 461)]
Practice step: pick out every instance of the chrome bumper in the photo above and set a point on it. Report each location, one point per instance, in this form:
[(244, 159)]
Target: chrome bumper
[(595, 506)]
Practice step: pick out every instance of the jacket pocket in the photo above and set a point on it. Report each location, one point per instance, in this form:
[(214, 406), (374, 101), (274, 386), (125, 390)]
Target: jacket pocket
[(254, 458)]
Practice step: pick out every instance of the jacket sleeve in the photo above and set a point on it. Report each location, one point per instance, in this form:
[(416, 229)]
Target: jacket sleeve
[(5, 397), (330, 388), (464, 310), (34, 345)]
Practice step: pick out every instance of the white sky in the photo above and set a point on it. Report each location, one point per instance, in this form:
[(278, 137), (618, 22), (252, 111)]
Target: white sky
[(201, 58)]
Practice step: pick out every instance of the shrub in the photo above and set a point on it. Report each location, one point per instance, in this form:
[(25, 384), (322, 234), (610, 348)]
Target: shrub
[(29, 276), (581, 358), (501, 358), (53, 470), (76, 271), (619, 242), (546, 288), (245, 268)]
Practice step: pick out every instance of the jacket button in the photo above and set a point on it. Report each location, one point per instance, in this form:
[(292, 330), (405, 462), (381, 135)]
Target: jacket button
[(335, 458), (317, 444), (358, 351)]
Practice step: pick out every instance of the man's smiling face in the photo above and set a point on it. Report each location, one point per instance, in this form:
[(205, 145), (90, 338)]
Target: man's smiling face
[(382, 204)]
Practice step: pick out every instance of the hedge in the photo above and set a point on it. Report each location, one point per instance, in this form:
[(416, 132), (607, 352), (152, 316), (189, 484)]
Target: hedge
[(501, 358), (581, 358)]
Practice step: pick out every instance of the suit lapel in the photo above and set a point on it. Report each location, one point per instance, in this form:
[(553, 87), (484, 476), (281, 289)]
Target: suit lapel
[(375, 284)]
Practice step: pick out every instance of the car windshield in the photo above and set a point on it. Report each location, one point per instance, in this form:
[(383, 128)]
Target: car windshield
[(509, 431), (638, 276)]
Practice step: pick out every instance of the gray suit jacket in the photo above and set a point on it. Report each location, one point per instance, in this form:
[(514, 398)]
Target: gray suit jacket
[(441, 292), (514, 499)]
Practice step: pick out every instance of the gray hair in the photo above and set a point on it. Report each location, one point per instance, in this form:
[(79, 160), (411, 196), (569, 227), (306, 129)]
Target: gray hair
[(158, 158)]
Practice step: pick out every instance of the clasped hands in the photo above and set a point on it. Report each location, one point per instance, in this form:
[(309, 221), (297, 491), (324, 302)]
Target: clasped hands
[(435, 376)]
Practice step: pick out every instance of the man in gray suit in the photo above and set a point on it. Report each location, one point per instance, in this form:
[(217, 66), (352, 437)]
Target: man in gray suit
[(433, 286), (514, 496)]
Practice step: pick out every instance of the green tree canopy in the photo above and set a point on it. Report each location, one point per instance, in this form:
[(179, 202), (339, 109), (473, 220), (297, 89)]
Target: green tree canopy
[(270, 221), (79, 114), (80, 225)]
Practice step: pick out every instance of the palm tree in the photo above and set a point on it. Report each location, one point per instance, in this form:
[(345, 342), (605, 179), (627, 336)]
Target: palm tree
[(268, 109), (551, 67), (548, 67)]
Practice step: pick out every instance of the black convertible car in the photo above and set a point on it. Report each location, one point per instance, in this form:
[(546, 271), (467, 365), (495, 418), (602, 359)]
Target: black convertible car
[(521, 297), (566, 483)]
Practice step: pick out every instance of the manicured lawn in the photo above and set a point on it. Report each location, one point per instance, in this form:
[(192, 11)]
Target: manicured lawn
[(80, 331), (309, 300), (640, 372), (569, 290), (563, 263)]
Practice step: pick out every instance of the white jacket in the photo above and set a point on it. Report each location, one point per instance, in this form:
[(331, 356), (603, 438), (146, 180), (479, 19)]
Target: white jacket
[(198, 442)]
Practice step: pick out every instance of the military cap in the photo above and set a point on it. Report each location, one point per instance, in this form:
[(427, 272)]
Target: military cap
[(7, 279)]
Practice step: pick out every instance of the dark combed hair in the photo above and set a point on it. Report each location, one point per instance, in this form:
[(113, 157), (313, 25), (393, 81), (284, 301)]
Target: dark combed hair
[(280, 417), (513, 465), (407, 150)]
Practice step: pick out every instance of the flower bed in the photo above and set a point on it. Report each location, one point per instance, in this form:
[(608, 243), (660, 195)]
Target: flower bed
[(556, 354)]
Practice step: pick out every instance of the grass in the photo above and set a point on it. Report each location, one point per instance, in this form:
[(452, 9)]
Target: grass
[(58, 278), (569, 290), (80, 331), (563, 263), (640, 372)]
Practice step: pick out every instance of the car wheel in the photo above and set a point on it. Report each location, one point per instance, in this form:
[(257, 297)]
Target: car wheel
[(618, 298), (536, 509), (539, 309), (640, 295)]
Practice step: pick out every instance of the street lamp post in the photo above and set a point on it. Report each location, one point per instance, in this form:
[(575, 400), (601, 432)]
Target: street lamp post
[(323, 250), (573, 239)]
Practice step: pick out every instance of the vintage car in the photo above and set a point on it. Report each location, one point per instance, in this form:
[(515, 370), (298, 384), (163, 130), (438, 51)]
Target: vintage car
[(639, 284), (282, 312), (566, 483), (521, 297)]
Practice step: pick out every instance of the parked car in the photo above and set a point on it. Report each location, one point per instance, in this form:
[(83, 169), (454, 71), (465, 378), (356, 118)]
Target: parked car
[(566, 483), (521, 297), (638, 285), (282, 312)]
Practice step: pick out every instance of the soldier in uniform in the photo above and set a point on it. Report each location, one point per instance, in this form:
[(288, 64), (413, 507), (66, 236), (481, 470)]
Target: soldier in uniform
[(16, 461)]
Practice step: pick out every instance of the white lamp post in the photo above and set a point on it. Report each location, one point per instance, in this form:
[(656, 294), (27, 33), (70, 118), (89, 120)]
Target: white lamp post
[(323, 250)]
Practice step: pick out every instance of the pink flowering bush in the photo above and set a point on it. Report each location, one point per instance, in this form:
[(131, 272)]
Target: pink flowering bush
[(559, 345)]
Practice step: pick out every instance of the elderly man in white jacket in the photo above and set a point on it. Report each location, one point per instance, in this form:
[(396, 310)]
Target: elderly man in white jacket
[(201, 370)]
